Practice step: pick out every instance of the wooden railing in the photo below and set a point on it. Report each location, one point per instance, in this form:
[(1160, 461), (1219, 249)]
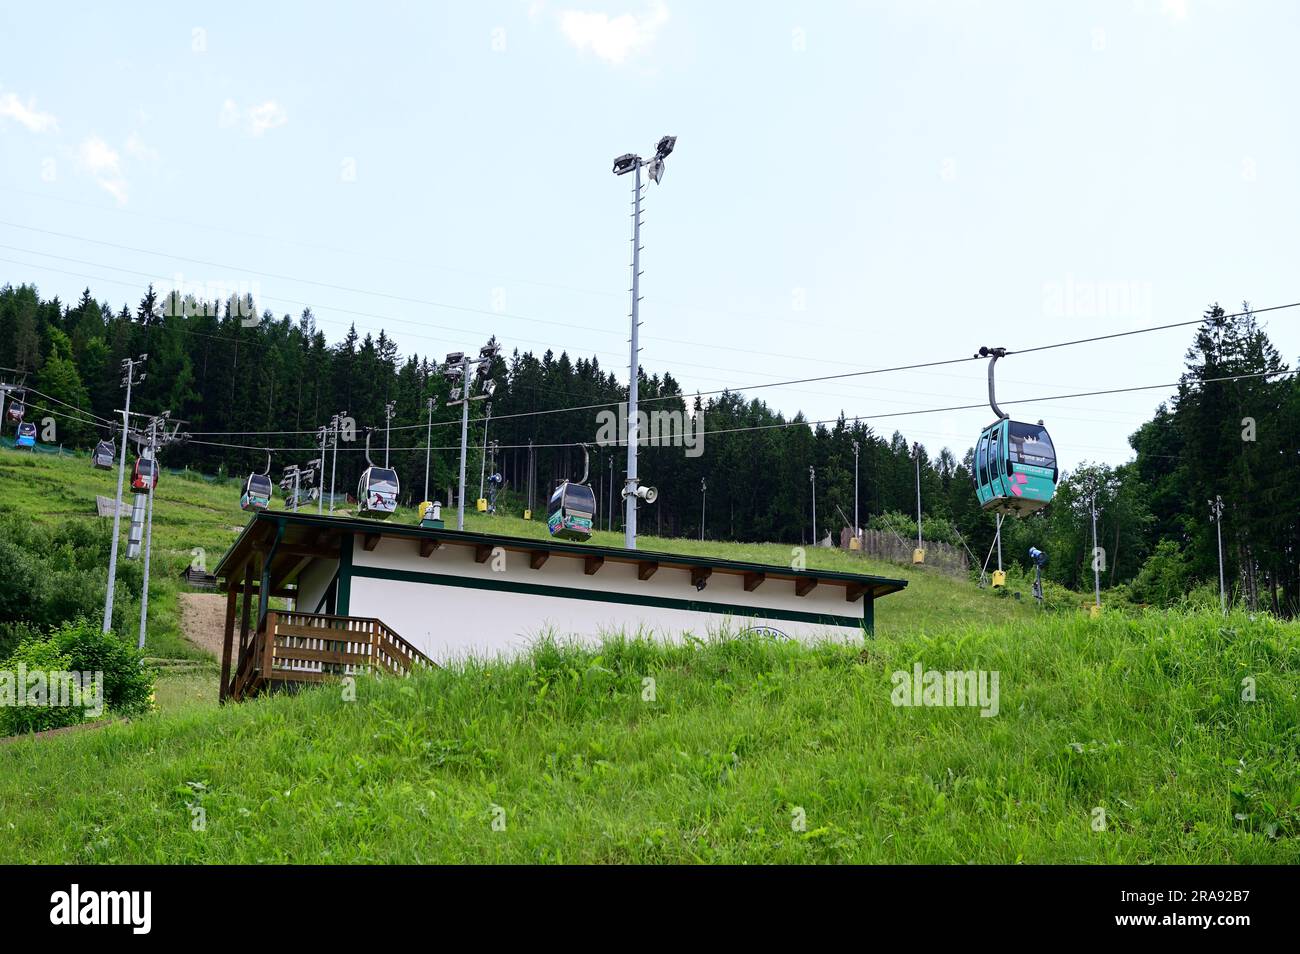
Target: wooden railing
[(309, 647)]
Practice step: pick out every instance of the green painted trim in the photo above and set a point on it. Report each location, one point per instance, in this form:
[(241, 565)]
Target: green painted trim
[(869, 614), (344, 600), (263, 594), (325, 594), (568, 592)]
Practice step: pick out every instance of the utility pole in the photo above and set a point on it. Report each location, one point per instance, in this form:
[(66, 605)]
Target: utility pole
[(320, 498), (388, 426), (812, 475), (482, 469), (157, 427), (1216, 514), (457, 368), (1096, 566), (128, 378), (428, 447), (856, 531), (704, 497), (335, 423), (624, 164), (916, 452)]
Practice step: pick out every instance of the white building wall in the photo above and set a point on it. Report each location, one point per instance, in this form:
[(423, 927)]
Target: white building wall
[(449, 619)]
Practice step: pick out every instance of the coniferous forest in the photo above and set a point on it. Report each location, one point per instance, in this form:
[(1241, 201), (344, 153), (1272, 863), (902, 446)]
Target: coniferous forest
[(240, 386)]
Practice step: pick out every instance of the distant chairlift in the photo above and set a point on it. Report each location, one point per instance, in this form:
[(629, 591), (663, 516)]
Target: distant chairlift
[(572, 506), (103, 455), (17, 408), (144, 478), (1015, 463), (378, 489), (257, 490), (26, 436)]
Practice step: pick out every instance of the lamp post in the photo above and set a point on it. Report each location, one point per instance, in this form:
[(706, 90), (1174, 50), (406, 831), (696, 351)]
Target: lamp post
[(855, 491), (812, 476), (428, 446), (704, 497), (1216, 514), (630, 162), (388, 426), (916, 452)]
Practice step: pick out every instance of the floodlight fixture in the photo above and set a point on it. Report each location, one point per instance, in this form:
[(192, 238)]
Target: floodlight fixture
[(665, 146), (626, 163)]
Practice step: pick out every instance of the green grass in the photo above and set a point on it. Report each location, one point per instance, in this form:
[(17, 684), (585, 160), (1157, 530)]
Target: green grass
[(191, 513), (1137, 714), (1139, 717)]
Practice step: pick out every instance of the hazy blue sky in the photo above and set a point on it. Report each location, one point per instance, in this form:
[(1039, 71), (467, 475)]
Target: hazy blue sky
[(855, 185)]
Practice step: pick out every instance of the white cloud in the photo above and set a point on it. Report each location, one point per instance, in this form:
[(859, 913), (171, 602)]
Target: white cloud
[(612, 39), (229, 114), (11, 107), (1175, 10), (256, 120), (137, 148), (269, 115), (104, 165)]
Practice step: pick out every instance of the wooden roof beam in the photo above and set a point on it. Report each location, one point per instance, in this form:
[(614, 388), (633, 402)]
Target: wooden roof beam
[(804, 585)]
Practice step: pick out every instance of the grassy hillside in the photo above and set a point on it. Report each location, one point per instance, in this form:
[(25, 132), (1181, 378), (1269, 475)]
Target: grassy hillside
[(193, 513), (1142, 718)]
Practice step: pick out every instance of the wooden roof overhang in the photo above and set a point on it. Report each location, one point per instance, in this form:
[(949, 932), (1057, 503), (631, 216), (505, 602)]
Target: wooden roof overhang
[(293, 540)]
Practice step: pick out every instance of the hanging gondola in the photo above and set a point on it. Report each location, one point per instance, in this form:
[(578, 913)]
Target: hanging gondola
[(144, 477), (377, 490), (17, 407), (103, 455), (257, 490), (572, 506), (1015, 463), (26, 436)]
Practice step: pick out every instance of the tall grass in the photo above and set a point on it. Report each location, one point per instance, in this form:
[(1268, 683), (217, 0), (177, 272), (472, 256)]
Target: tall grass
[(577, 758)]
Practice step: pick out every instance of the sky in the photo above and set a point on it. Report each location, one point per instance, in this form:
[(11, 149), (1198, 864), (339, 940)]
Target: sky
[(855, 185)]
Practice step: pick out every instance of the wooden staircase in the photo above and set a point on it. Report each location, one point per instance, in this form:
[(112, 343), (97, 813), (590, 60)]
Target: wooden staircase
[(313, 648)]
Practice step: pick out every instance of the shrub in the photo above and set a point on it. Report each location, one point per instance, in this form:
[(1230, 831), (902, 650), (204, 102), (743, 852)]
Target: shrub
[(128, 683), (1165, 578)]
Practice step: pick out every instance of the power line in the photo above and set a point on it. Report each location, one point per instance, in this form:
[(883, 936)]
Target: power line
[(836, 420)]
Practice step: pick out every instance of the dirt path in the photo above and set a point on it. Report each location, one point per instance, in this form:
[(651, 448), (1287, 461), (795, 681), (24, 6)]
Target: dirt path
[(203, 619)]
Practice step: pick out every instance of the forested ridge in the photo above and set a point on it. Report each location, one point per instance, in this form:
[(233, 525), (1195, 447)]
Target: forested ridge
[(229, 378)]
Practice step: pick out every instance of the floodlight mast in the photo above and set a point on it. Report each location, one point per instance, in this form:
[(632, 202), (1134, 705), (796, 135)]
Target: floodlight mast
[(630, 162)]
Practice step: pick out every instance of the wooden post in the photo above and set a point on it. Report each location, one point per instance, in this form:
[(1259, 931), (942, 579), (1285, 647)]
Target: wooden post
[(228, 638), (246, 612)]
